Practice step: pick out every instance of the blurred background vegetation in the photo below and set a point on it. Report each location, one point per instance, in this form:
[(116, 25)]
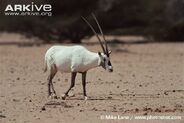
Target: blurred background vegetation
[(161, 20)]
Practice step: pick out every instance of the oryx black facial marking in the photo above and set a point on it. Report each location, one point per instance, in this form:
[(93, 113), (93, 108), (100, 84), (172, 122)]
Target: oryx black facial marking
[(105, 62)]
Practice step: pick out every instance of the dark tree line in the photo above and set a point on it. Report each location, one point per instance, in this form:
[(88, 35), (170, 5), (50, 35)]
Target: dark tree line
[(160, 19)]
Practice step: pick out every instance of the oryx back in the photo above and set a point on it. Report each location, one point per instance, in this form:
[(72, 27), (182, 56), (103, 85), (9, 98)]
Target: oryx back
[(69, 58)]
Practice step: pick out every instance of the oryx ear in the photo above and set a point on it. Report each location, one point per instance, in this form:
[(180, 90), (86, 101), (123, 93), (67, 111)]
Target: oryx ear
[(109, 51)]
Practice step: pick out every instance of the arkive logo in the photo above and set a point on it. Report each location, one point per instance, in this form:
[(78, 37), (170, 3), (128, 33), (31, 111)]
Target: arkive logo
[(29, 9)]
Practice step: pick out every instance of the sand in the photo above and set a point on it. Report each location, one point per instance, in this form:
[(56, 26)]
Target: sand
[(148, 80)]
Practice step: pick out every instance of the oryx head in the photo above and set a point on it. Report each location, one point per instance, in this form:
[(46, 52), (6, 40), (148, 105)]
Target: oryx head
[(105, 56)]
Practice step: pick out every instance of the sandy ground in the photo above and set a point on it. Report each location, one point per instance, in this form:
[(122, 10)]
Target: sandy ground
[(148, 79)]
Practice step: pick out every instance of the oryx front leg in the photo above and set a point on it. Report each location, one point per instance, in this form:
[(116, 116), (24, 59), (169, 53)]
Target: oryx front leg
[(71, 86), (84, 85), (53, 72)]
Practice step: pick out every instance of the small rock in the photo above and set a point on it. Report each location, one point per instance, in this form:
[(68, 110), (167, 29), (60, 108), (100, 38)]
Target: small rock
[(2, 116), (163, 107), (94, 109), (18, 78), (157, 110), (136, 109), (133, 75), (165, 93), (16, 100), (109, 97), (11, 71), (43, 108), (117, 86), (145, 109), (125, 82)]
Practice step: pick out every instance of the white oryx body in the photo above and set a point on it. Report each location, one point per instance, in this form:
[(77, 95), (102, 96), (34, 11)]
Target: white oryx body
[(76, 59), (69, 59)]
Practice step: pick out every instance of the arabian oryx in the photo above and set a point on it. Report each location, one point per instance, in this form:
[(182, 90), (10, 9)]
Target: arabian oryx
[(76, 59)]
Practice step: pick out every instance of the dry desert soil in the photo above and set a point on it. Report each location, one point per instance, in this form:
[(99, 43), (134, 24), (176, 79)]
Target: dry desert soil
[(148, 80)]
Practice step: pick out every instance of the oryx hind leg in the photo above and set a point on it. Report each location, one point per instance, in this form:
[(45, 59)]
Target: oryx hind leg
[(84, 85), (51, 90)]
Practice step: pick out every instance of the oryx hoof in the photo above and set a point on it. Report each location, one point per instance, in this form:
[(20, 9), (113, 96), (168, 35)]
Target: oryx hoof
[(49, 96), (63, 97), (52, 96), (85, 98)]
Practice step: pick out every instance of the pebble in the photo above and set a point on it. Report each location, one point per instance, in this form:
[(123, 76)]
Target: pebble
[(43, 108)]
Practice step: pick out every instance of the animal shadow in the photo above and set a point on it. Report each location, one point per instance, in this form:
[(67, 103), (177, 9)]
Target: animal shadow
[(53, 104)]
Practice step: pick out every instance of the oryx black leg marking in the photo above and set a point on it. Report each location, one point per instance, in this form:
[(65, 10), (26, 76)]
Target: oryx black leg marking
[(49, 80), (84, 83), (72, 82), (53, 88)]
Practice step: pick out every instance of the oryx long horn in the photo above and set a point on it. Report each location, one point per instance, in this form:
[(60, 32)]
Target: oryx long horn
[(95, 34), (106, 47)]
